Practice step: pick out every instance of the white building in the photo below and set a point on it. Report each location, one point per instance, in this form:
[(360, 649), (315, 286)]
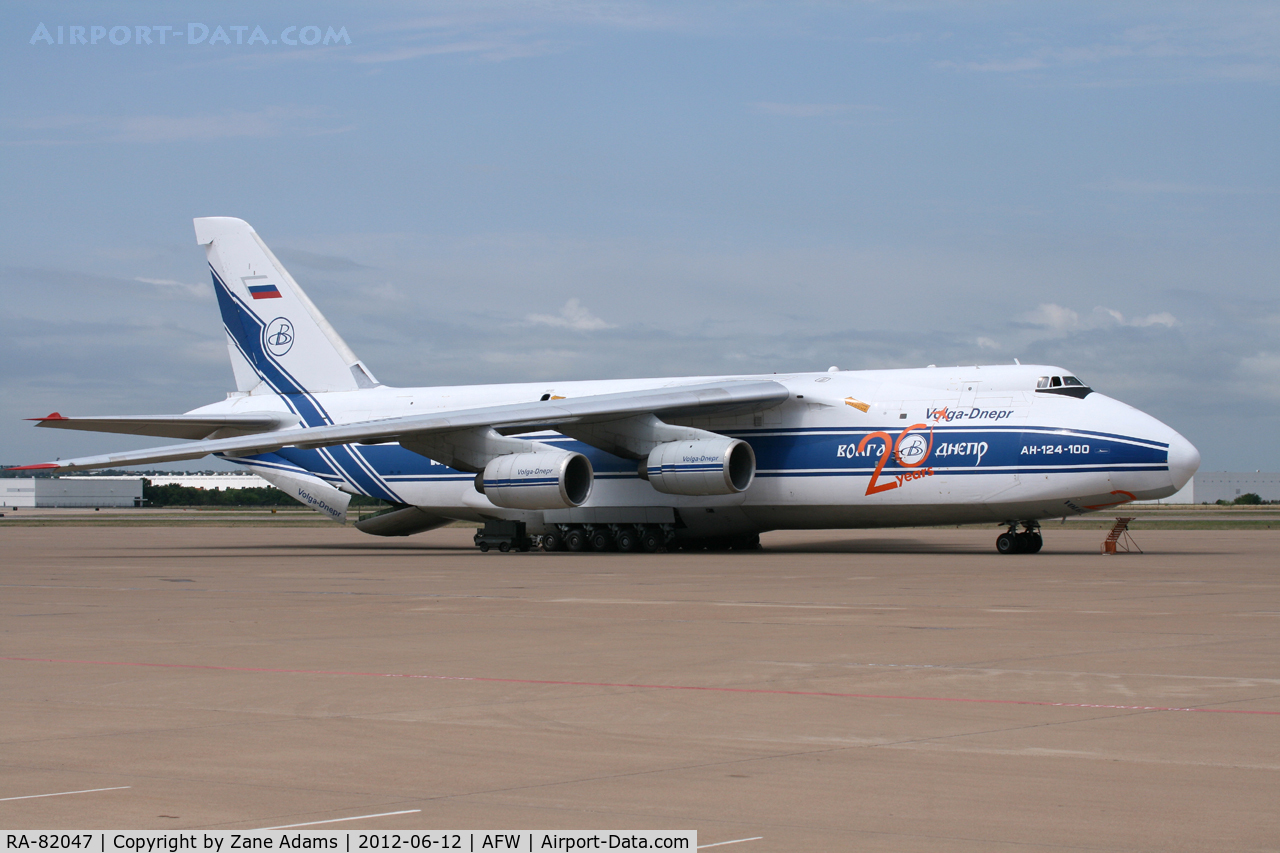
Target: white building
[(71, 492), (1216, 486)]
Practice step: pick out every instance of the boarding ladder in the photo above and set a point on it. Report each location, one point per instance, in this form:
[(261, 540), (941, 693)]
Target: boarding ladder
[(1118, 540)]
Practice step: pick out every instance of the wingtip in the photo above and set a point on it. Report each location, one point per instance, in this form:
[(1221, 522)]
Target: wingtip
[(53, 416), (43, 466)]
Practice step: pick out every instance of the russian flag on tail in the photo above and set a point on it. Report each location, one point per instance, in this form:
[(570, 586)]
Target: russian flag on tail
[(264, 291)]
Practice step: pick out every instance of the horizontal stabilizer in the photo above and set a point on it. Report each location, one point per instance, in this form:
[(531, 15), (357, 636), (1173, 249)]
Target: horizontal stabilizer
[(175, 426), (673, 401)]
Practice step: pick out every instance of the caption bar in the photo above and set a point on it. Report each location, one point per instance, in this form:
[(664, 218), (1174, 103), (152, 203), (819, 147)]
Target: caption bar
[(348, 841)]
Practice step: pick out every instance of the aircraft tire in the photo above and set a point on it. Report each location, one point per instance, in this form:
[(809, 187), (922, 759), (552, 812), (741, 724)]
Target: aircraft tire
[(601, 540), (1032, 542), (575, 540), (553, 541), (1007, 543), (627, 540), (651, 541)]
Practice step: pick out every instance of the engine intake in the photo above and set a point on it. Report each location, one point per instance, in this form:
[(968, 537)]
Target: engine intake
[(704, 467), (540, 480)]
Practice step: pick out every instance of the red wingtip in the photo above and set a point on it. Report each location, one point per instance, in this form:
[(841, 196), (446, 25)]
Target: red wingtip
[(42, 465), (50, 417)]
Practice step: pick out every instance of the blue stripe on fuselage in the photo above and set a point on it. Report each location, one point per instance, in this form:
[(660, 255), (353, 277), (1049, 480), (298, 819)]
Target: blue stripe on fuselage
[(804, 453)]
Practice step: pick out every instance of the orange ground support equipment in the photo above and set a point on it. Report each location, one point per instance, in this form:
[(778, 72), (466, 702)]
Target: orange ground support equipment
[(1118, 540)]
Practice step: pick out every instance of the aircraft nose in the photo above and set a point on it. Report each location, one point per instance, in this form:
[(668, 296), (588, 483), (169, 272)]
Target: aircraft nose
[(1184, 460)]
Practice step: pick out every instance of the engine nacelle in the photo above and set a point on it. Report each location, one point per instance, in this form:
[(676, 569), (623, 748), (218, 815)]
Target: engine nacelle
[(549, 479), (704, 467)]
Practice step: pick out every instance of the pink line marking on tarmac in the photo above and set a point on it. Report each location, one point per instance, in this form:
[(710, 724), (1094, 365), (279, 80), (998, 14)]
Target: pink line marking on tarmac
[(763, 691)]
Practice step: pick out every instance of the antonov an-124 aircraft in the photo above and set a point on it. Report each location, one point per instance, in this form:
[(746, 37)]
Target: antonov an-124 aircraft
[(646, 464)]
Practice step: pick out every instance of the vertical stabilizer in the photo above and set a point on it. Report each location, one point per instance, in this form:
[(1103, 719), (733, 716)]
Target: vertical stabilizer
[(279, 340)]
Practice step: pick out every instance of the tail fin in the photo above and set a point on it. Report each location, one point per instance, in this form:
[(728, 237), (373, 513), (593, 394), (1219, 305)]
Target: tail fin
[(279, 341)]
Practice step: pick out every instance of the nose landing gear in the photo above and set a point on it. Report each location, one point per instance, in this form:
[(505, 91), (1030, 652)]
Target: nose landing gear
[(1029, 541)]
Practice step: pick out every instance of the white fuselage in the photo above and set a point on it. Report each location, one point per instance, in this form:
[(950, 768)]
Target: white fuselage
[(849, 449)]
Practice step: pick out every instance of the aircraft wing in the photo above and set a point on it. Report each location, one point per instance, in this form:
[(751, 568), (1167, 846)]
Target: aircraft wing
[(174, 426), (674, 401)]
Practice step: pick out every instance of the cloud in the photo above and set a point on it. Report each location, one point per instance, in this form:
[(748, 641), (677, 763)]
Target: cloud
[(987, 343), (501, 31), (1260, 374), (1163, 318), (203, 291), (266, 122), (573, 315), (1173, 42), (1053, 317), (1061, 320)]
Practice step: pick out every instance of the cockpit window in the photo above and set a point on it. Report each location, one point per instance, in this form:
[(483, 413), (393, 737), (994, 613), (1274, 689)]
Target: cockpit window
[(1067, 386)]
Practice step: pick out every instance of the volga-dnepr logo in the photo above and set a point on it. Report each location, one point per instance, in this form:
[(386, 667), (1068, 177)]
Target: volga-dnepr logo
[(977, 413), (278, 337)]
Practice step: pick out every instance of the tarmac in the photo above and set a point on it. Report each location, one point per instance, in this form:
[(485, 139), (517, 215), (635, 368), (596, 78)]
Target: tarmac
[(902, 690)]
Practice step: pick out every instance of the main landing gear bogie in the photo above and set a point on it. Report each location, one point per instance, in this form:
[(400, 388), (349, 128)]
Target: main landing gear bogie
[(1028, 541), (628, 538)]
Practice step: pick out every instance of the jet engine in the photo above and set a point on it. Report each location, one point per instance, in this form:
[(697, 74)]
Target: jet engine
[(550, 479), (703, 467)]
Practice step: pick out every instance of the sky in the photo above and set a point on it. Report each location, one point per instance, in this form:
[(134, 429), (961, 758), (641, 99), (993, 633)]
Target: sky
[(480, 192)]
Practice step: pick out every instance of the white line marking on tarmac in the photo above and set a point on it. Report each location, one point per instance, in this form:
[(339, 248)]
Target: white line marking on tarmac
[(63, 793), (341, 819), (735, 841)]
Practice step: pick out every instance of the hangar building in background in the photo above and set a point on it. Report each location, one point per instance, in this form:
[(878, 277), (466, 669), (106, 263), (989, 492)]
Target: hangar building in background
[(1214, 486), (71, 492)]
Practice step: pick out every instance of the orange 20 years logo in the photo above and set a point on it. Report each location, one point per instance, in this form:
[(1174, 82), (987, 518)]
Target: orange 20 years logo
[(910, 450)]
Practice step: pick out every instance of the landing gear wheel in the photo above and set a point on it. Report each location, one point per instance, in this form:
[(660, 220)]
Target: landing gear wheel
[(651, 541), (601, 540), (1008, 543), (552, 541), (628, 541), (1032, 542), (575, 540)]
